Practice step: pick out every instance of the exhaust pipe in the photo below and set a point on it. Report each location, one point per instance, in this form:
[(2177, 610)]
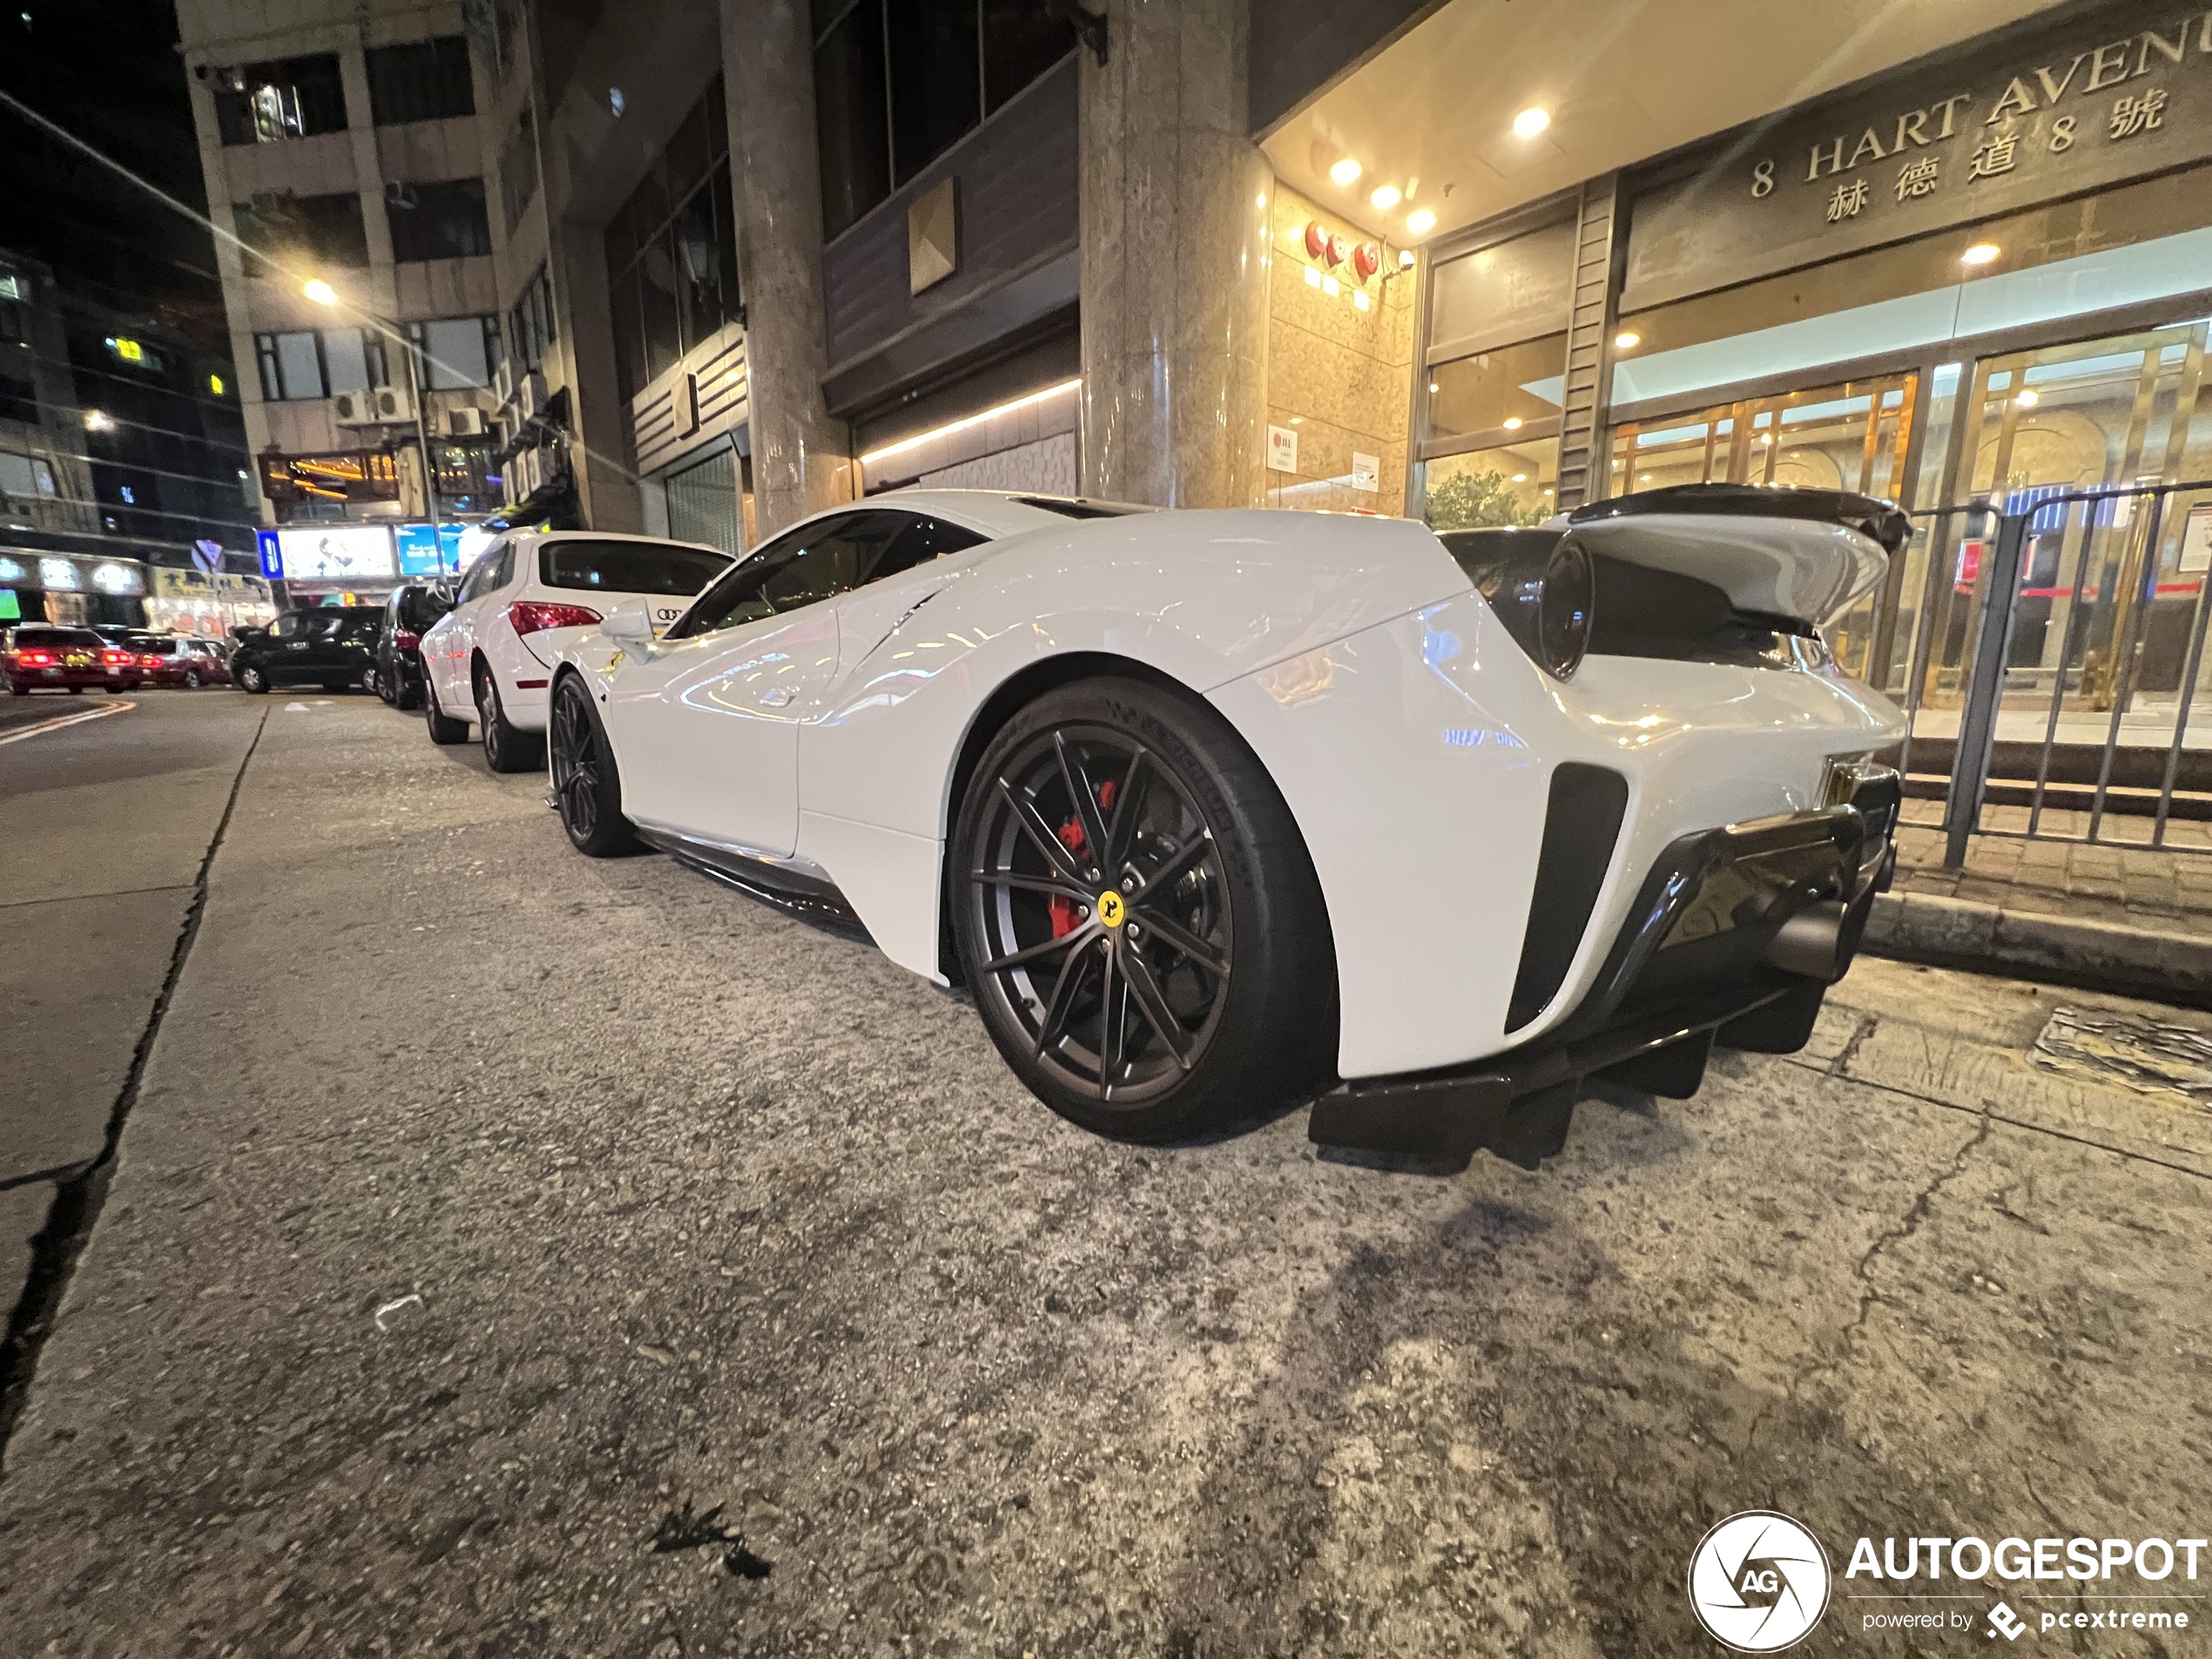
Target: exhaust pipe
[(1811, 943)]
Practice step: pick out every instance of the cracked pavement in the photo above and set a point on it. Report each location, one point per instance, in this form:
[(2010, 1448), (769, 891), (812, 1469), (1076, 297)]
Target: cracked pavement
[(514, 1254)]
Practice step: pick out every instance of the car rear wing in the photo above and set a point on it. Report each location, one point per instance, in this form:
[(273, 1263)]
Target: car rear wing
[(1788, 556)]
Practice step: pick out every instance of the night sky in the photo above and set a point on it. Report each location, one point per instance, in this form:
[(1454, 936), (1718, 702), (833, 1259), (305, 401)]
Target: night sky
[(108, 71)]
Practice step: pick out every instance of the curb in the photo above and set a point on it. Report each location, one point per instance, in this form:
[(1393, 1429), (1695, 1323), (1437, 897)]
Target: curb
[(2042, 945)]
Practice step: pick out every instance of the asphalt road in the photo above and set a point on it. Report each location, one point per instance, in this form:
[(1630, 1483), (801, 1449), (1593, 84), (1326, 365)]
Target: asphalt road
[(513, 1254)]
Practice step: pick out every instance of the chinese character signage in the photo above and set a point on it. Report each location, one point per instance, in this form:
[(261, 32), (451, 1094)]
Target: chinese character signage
[(2100, 97)]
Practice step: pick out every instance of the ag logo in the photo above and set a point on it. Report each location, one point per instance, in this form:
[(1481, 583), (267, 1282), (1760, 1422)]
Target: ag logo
[(1758, 1581)]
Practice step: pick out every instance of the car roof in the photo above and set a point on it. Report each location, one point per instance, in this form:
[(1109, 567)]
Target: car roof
[(538, 536), (995, 512)]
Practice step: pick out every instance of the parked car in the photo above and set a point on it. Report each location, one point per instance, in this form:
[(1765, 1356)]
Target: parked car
[(413, 609), (334, 646), (44, 657), (1203, 807), (185, 660), (525, 599)]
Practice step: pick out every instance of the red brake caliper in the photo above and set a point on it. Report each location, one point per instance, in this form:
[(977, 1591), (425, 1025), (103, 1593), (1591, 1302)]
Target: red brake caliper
[(1067, 915)]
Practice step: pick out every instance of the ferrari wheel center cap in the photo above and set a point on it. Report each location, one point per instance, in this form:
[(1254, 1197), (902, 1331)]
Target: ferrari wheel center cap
[(1111, 910)]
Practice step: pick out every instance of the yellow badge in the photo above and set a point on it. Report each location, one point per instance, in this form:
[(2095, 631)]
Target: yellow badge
[(1110, 908)]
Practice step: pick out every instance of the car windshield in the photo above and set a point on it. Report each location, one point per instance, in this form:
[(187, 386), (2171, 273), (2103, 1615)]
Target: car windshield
[(628, 567)]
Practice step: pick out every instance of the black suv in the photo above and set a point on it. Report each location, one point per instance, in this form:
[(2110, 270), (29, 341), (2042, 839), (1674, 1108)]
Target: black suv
[(333, 647), (411, 612)]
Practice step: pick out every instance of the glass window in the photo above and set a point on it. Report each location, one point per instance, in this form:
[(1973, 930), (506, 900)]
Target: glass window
[(703, 504), (1022, 39), (458, 352), (851, 119), (424, 80), (440, 221), (935, 93), (519, 169), (664, 325), (1510, 485), (814, 562), (627, 567), (293, 624), (299, 365), (1511, 291), (671, 251), (1499, 390), (290, 97), (303, 230), (344, 360)]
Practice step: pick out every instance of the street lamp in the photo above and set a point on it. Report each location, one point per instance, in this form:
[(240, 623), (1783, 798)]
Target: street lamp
[(323, 295)]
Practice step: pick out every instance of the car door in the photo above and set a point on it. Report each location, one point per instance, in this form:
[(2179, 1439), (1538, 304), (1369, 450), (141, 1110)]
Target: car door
[(288, 642), (706, 729), (456, 636)]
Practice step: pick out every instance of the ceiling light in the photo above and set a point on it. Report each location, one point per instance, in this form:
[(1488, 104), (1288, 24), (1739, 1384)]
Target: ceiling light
[(1520, 477), (1420, 222), (1982, 254), (97, 420), (2027, 400), (1627, 340), (1512, 421), (1385, 197), (1433, 386), (1346, 171), (1530, 122), (319, 291)]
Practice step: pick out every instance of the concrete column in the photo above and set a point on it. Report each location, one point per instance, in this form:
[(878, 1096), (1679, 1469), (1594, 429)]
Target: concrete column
[(801, 455), (1174, 200)]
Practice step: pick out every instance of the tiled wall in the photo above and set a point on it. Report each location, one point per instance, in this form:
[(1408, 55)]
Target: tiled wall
[(1339, 376)]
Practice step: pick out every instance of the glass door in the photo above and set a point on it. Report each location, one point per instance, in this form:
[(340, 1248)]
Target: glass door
[(2104, 585)]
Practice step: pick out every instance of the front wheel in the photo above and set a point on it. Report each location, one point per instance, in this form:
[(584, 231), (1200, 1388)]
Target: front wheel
[(507, 747), (586, 786), (1137, 917), (252, 681)]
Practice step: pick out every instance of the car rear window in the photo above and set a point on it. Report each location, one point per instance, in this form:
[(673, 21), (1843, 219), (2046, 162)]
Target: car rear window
[(57, 638), (628, 567)]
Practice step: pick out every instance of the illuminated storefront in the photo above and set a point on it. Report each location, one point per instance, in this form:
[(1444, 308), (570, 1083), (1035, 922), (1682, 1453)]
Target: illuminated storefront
[(73, 589), (1984, 275)]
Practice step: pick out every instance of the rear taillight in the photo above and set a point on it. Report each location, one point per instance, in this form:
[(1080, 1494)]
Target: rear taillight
[(35, 658), (529, 615), (149, 661), (116, 658), (405, 642)]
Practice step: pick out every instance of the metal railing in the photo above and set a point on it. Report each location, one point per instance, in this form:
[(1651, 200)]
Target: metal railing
[(1986, 667)]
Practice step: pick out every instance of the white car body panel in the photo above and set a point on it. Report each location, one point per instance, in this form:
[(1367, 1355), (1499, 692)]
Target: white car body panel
[(1412, 737)]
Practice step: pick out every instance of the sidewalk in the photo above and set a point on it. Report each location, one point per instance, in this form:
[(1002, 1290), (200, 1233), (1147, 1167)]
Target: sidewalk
[(2109, 915)]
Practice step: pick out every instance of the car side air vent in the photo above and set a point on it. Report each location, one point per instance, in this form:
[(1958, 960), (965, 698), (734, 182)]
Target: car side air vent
[(1581, 823)]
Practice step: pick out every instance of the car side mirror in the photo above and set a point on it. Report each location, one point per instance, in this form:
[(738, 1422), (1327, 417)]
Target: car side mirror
[(630, 626)]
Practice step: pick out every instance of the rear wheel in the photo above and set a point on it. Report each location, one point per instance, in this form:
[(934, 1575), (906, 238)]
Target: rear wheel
[(443, 731), (1137, 916), (407, 693), (586, 786), (506, 748), (192, 679)]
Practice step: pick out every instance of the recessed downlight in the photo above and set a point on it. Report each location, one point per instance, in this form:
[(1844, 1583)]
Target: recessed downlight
[(1982, 254), (1420, 222), (1627, 340), (1385, 197), (1530, 122), (1346, 171)]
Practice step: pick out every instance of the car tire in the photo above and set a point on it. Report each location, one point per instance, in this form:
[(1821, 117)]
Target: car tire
[(192, 679), (252, 681), (19, 690), (1203, 990), (443, 731), (587, 788), (409, 695), (382, 686), (76, 691), (507, 748)]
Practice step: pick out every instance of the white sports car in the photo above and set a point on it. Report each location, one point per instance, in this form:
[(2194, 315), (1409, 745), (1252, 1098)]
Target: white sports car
[(1208, 808)]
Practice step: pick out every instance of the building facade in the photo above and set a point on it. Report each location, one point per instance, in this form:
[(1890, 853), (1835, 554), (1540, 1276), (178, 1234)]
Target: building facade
[(343, 153)]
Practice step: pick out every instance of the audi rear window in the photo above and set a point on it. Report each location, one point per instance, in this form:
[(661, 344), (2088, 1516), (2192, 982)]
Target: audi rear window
[(628, 567)]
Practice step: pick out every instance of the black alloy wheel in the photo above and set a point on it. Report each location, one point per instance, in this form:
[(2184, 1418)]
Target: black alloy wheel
[(252, 681), (380, 683), (1137, 917), (443, 731), (506, 749), (587, 789)]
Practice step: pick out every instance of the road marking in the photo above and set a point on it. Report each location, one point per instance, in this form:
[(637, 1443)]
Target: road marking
[(44, 726)]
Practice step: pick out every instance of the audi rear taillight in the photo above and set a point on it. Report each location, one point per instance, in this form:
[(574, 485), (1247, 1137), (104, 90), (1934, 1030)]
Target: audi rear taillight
[(533, 616), (406, 642)]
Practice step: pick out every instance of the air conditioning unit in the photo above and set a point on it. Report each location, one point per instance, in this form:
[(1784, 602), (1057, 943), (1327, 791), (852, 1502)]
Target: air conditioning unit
[(533, 394), (381, 406), (503, 382), (392, 403), (351, 408), (523, 474), (464, 424)]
